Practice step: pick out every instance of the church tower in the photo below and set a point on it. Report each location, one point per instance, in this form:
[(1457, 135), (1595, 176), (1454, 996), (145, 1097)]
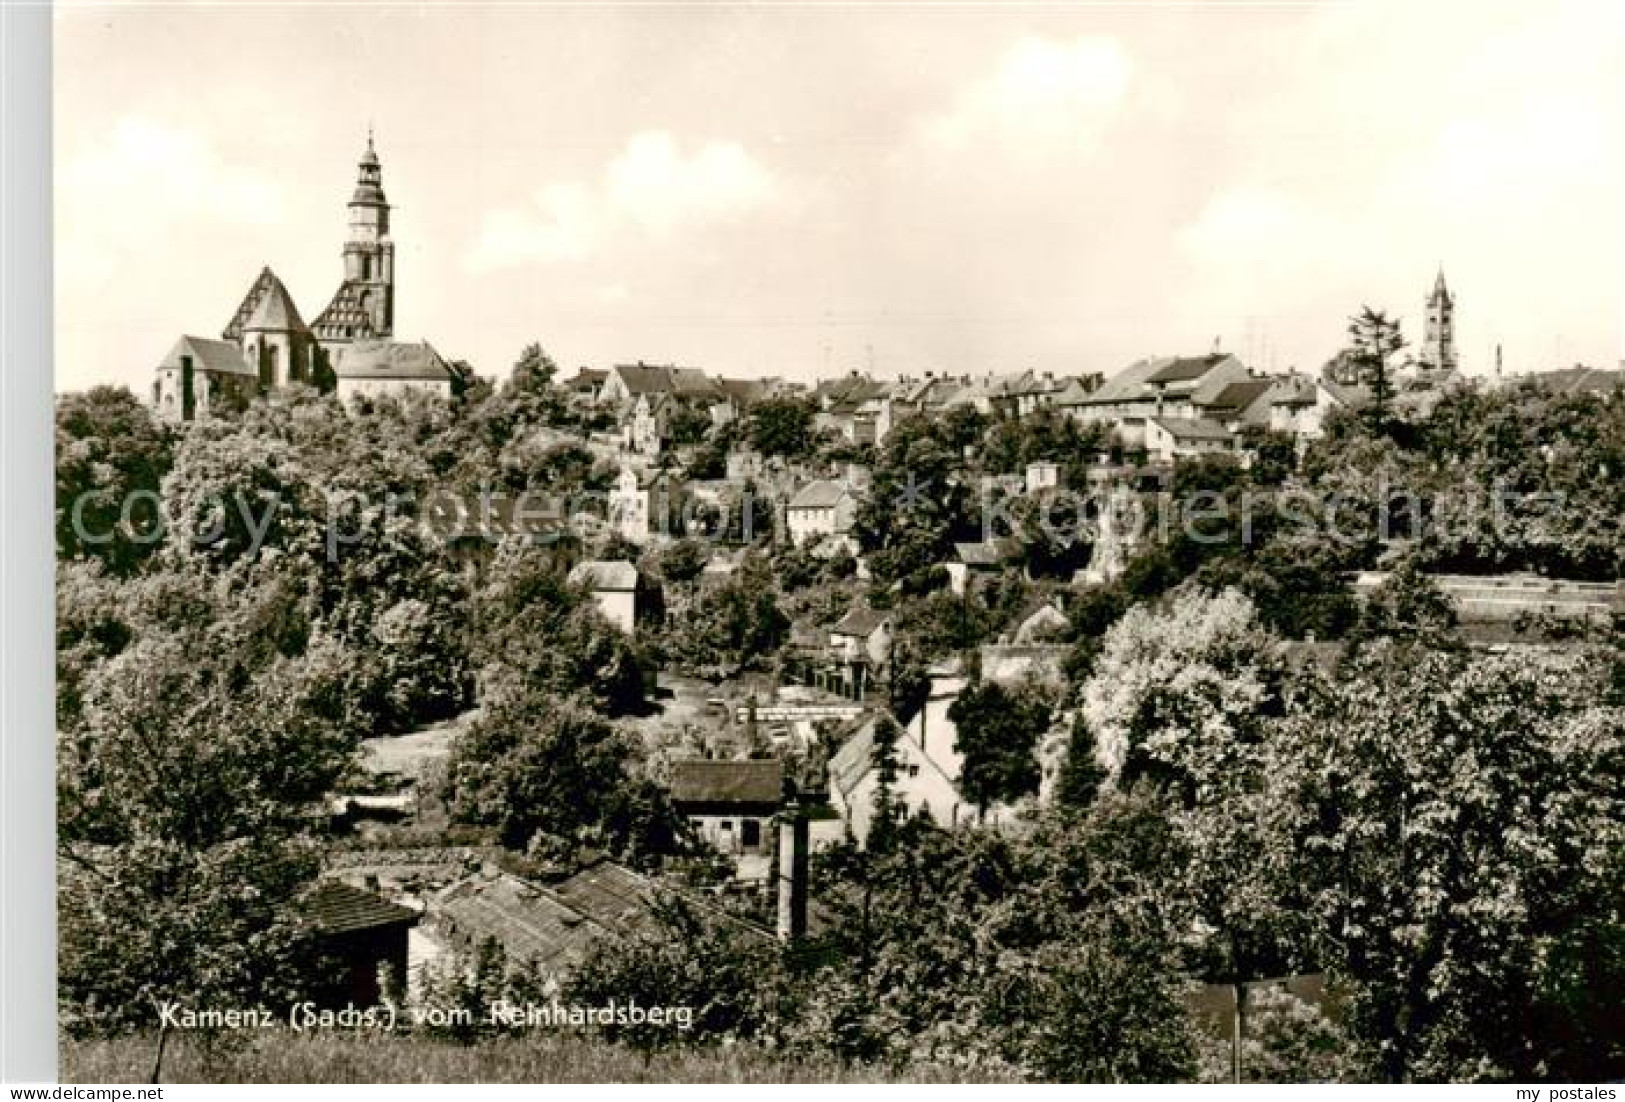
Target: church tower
[(1439, 336), (363, 308)]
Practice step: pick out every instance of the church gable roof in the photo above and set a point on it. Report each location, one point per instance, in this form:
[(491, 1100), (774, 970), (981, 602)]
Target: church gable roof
[(245, 309), (641, 378), (275, 311), (216, 357), (392, 360), (346, 316)]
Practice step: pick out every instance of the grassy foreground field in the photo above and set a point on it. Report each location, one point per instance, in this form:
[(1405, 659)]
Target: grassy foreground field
[(281, 1057)]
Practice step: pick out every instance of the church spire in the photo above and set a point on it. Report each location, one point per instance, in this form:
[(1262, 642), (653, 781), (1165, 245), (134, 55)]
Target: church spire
[(364, 307), (1439, 334)]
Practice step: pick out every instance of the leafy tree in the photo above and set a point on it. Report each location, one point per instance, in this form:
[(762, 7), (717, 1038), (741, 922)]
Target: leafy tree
[(1410, 605), (683, 561), (998, 732), (1461, 815), (109, 448), (916, 505), (733, 626), (536, 767), (782, 427), (533, 371), (535, 633), (1275, 454), (184, 784), (688, 424), (1201, 666)]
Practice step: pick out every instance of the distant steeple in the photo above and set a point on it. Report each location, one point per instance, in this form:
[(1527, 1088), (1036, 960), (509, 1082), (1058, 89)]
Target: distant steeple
[(1439, 334)]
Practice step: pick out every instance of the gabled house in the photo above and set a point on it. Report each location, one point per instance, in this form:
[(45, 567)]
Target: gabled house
[(1240, 404), (822, 512), (585, 383), (1171, 439), (1300, 405), (730, 804), (862, 635), (614, 584), (1032, 391), (735, 397), (972, 560), (627, 382), (646, 503), (920, 785), (1168, 386)]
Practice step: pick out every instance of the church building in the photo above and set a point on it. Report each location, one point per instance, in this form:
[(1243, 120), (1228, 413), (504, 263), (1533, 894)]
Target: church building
[(349, 349), (1438, 352)]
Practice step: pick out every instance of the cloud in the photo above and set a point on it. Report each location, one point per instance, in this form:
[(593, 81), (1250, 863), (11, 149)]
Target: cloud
[(138, 186), (1041, 91), (650, 191)]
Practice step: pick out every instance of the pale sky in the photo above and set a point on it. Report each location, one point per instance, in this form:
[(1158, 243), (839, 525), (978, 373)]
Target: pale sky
[(795, 190)]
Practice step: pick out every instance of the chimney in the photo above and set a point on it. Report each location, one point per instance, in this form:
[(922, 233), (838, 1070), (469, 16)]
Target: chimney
[(792, 874)]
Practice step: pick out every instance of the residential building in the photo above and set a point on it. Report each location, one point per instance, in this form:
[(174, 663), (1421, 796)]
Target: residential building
[(1043, 475), (823, 512), (972, 560), (647, 503), (1301, 406), (920, 784), (730, 804), (1168, 386), (614, 584), (862, 635), (1171, 439)]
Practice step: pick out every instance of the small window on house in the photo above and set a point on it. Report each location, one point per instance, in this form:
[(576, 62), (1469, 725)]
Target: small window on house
[(750, 832), (727, 826)]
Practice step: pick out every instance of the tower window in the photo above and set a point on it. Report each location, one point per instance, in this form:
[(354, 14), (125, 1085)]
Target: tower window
[(366, 267)]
